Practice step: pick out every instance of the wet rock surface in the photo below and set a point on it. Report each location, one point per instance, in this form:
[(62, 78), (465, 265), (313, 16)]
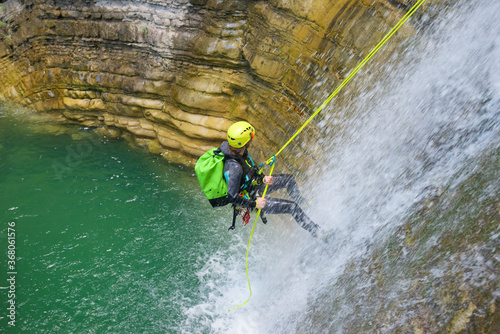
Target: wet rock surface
[(178, 73)]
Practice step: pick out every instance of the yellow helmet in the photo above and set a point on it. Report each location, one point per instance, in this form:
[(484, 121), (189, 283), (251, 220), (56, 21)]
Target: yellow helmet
[(239, 134)]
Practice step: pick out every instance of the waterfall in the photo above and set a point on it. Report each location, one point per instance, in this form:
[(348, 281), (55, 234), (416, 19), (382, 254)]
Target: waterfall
[(410, 188)]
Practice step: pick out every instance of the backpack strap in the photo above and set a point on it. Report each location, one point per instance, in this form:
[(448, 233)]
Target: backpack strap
[(240, 160), (235, 214)]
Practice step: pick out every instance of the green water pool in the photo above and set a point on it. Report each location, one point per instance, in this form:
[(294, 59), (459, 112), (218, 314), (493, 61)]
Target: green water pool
[(108, 238)]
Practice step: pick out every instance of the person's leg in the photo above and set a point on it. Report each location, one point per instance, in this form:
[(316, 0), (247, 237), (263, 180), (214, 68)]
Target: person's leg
[(283, 206), (287, 181)]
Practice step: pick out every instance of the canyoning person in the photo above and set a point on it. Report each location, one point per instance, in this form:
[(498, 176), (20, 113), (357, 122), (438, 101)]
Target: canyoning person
[(245, 185)]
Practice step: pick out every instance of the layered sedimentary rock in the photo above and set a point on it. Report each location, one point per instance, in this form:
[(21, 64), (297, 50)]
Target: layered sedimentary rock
[(176, 74)]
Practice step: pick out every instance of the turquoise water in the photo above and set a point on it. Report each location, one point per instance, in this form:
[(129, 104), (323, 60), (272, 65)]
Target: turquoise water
[(108, 238)]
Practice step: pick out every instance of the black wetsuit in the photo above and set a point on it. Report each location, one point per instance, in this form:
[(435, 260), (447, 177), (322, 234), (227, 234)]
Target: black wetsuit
[(236, 174)]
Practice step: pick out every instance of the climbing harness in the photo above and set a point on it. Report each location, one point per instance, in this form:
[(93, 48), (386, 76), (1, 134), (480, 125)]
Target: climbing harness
[(255, 178), (271, 161)]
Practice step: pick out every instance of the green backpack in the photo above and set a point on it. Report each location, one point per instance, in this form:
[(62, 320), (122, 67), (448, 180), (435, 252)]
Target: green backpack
[(210, 172)]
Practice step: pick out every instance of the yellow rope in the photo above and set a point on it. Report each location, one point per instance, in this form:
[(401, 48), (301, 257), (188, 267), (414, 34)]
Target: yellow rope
[(271, 160), (248, 247), (353, 73)]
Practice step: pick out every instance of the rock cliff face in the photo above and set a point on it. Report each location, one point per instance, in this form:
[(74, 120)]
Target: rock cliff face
[(172, 75), (176, 73)]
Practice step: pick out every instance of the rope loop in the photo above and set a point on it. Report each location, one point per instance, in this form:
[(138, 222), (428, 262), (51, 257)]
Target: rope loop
[(271, 161)]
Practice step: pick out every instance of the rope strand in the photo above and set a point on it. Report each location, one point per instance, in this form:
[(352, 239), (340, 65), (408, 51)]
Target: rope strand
[(353, 73)]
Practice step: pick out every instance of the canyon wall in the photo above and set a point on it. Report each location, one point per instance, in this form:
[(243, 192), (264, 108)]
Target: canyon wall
[(174, 74)]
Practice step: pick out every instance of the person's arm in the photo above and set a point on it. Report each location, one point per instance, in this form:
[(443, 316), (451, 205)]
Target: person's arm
[(233, 177)]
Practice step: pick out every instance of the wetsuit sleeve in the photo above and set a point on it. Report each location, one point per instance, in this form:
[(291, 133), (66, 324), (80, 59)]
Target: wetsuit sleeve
[(233, 175)]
